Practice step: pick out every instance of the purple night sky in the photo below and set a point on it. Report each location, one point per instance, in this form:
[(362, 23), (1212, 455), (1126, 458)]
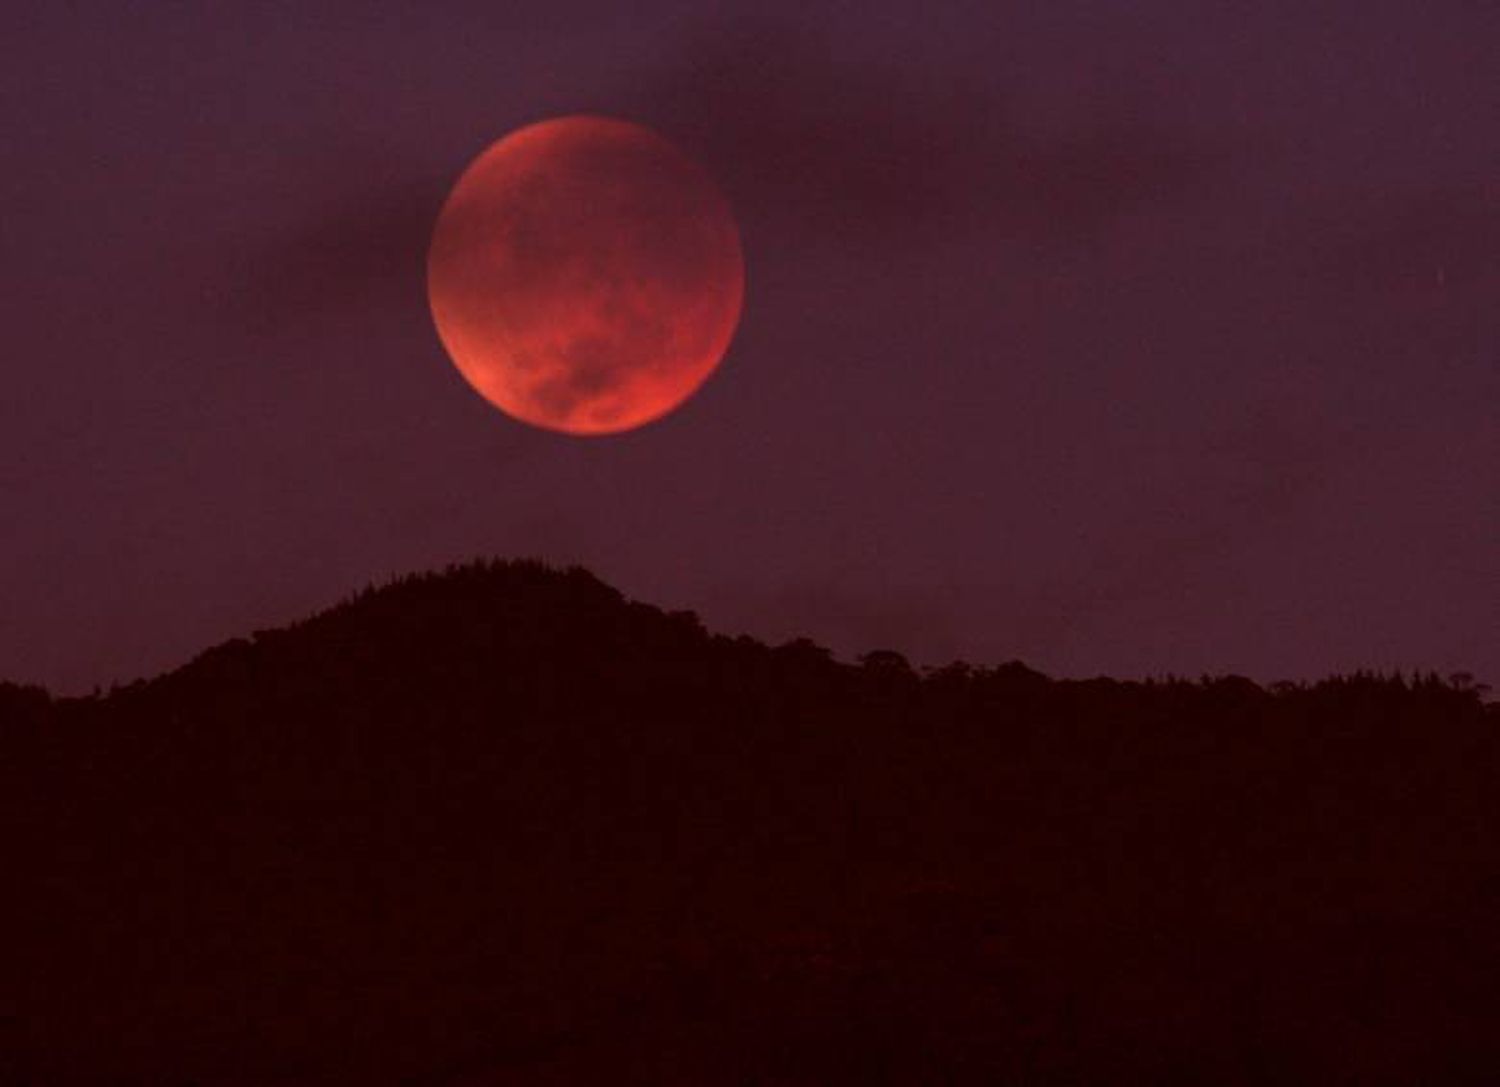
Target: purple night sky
[(1117, 338)]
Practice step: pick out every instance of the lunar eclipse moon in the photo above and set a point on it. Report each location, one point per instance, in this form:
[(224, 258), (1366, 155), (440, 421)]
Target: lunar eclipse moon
[(585, 275)]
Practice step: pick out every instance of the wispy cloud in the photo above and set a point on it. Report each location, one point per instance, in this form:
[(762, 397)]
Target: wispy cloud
[(850, 149)]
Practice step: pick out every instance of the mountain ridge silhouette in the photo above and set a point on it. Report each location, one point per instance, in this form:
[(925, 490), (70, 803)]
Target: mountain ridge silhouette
[(501, 824)]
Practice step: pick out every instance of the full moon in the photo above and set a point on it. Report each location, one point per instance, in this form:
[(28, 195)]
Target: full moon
[(585, 275)]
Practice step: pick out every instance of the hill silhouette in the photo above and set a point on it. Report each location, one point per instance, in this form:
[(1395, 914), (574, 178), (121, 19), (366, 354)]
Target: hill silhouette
[(500, 825)]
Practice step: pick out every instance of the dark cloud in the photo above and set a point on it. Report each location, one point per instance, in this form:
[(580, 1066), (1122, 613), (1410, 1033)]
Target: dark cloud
[(832, 149), (357, 247), (856, 149)]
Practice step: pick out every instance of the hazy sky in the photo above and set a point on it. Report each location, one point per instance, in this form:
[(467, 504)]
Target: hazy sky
[(1119, 338)]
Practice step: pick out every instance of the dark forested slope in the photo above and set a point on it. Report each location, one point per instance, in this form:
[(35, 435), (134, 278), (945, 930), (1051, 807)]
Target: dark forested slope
[(501, 826)]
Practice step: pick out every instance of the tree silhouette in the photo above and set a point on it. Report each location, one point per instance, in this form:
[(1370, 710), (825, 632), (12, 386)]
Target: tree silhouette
[(500, 824)]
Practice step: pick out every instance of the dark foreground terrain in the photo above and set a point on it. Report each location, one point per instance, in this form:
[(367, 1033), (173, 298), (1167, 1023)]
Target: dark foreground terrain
[(500, 826)]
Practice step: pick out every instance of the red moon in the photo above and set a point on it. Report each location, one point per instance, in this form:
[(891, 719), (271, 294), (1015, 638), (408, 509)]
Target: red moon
[(585, 276)]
